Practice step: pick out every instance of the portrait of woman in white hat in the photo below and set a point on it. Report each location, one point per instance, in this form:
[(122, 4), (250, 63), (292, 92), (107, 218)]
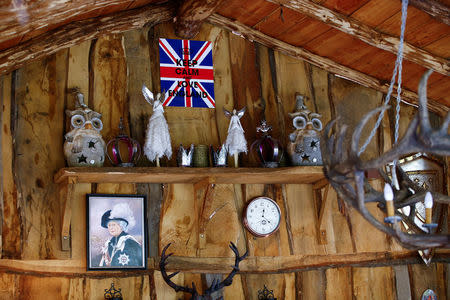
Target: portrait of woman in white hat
[(112, 244)]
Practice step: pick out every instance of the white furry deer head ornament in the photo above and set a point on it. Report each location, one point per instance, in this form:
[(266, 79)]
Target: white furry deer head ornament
[(157, 139)]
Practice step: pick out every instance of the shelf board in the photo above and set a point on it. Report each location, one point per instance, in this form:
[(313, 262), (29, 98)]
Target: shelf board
[(303, 174)]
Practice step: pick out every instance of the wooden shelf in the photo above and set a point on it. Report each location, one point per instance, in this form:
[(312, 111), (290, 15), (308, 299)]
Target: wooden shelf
[(304, 174)]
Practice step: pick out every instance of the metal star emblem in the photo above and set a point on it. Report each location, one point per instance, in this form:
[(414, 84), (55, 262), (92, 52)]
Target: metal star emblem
[(305, 157)]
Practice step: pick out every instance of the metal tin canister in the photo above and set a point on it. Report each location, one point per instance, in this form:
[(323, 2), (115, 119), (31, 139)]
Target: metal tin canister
[(201, 156)]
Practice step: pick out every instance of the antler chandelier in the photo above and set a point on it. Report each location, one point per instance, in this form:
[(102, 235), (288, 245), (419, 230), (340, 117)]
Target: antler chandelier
[(345, 171)]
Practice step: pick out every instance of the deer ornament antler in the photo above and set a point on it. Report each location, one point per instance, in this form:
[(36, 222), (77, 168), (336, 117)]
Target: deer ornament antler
[(216, 285)]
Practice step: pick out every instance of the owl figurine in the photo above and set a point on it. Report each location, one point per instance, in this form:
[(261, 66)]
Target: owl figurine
[(84, 146), (304, 142)]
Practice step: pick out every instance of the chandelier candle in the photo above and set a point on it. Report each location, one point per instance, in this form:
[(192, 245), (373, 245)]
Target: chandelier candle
[(428, 207), (389, 197)]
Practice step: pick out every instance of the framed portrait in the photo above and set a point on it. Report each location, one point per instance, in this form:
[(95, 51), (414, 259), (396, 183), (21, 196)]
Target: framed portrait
[(116, 232)]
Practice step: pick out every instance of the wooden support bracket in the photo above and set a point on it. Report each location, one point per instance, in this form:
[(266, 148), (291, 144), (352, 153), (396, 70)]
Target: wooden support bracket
[(66, 193), (321, 203)]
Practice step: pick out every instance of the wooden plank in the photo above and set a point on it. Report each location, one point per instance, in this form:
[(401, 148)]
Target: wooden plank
[(133, 287), (40, 128), (338, 284), (281, 284), (303, 220), (8, 286), (165, 292), (11, 216), (222, 225), (107, 96), (402, 285), (56, 288), (80, 31), (311, 285), (137, 52), (235, 290), (155, 196), (250, 13), (261, 264), (179, 221), (321, 62), (246, 90), (424, 277), (367, 34), (78, 223), (304, 174), (291, 78), (374, 283), (78, 73)]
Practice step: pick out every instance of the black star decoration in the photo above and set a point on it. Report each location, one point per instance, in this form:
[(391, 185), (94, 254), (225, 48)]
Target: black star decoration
[(314, 144), (82, 158), (91, 144), (305, 157)]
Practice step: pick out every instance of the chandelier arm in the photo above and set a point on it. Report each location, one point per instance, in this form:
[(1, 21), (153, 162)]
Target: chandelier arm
[(346, 172)]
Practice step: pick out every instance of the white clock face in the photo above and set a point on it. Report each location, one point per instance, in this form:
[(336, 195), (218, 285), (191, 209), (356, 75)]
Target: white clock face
[(262, 216)]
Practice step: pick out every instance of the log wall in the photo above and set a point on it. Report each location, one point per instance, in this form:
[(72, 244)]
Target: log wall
[(110, 72)]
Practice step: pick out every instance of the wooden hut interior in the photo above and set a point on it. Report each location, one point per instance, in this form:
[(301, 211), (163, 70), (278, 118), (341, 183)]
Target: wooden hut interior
[(295, 64)]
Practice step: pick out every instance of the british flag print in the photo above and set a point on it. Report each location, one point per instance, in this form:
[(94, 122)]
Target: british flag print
[(186, 72)]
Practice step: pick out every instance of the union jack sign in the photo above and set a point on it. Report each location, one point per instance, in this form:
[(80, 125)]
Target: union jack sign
[(186, 70)]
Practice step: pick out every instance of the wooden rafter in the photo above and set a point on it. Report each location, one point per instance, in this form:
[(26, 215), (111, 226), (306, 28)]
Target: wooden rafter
[(80, 31), (191, 15), (322, 62), (436, 9), (367, 34)]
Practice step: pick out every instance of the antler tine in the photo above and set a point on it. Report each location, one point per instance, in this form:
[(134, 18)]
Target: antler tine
[(423, 110), (216, 285), (356, 137), (327, 142), (340, 151), (445, 124), (167, 278)]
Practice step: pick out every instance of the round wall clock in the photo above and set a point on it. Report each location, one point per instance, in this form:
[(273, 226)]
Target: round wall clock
[(262, 216)]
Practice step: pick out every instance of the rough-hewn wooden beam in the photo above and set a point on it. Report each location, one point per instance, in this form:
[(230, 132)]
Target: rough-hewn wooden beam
[(437, 10), (322, 62), (80, 31), (367, 34), (19, 18), (254, 264), (191, 15)]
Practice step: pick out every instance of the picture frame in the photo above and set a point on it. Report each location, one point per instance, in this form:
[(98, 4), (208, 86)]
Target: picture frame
[(116, 232)]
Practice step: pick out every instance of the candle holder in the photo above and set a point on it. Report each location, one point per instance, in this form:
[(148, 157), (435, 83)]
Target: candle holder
[(184, 157), (122, 150), (266, 294), (112, 293), (266, 149), (392, 219), (220, 157)]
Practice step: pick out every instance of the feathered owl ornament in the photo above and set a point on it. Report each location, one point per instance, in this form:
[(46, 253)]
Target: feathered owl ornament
[(157, 138), (84, 145)]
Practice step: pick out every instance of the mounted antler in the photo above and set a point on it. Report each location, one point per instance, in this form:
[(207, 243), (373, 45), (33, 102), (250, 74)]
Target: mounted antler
[(215, 285), (346, 170)]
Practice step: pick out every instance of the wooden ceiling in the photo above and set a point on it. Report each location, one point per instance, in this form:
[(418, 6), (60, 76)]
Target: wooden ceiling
[(355, 39)]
